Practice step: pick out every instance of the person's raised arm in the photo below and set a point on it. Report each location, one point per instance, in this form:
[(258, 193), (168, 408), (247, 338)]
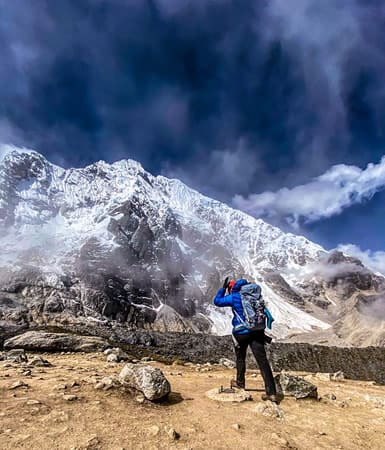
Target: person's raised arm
[(221, 299)]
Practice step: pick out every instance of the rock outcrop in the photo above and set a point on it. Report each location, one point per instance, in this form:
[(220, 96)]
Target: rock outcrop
[(56, 342)]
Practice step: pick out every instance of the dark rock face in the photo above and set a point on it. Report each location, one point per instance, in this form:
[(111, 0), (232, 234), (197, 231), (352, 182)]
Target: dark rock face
[(282, 288), (351, 275)]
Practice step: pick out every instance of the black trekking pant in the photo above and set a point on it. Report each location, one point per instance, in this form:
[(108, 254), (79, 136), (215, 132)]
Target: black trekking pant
[(256, 340)]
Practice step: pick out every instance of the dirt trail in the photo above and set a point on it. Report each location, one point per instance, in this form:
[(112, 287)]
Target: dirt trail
[(40, 416)]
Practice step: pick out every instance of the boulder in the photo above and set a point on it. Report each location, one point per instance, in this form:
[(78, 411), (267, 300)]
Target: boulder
[(56, 342), (294, 386), (146, 379)]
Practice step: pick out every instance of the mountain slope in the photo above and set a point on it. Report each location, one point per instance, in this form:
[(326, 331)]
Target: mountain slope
[(114, 244)]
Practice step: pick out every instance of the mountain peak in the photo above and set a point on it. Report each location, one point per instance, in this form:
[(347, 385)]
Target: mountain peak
[(128, 243)]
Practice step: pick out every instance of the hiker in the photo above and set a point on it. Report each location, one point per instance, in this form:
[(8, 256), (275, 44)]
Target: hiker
[(248, 329)]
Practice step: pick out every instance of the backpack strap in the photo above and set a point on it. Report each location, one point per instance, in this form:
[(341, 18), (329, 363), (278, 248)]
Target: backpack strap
[(240, 319)]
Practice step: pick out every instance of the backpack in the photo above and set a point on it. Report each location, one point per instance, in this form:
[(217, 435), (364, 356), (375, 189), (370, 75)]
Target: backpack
[(253, 308)]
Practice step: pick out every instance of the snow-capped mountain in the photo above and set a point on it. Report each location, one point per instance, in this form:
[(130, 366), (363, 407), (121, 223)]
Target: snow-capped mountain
[(112, 243)]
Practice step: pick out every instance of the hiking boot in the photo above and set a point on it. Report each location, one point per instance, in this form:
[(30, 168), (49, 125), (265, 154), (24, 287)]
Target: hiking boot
[(235, 385), (273, 398)]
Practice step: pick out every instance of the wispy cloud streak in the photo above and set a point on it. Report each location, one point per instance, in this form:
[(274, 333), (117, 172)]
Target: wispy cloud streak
[(325, 196)]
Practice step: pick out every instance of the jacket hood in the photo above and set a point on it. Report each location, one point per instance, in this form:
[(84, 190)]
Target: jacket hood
[(239, 284)]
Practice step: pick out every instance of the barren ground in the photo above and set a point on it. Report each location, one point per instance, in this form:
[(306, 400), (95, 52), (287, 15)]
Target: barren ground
[(39, 416)]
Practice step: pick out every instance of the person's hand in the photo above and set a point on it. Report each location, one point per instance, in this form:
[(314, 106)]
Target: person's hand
[(226, 283)]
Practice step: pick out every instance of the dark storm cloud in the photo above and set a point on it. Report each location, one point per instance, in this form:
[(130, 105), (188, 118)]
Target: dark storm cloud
[(275, 91)]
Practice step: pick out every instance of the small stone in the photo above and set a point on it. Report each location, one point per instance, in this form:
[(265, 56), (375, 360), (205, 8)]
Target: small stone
[(107, 383), (345, 403), (154, 430), (172, 434), (70, 397), (74, 384), (322, 433), (23, 437), (112, 358), (27, 373), (269, 408), (60, 387), (227, 363), (38, 361), (337, 376), (280, 440), (146, 359), (19, 384), (92, 443), (140, 399), (32, 402), (236, 426)]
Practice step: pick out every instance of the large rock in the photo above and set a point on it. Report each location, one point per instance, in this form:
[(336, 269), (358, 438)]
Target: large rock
[(50, 342), (146, 379), (294, 386)]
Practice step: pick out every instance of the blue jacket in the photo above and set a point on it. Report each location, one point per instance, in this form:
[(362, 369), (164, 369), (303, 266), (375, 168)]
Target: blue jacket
[(234, 301)]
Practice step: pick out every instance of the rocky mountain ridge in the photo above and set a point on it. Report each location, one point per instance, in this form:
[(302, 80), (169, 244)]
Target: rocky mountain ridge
[(112, 244)]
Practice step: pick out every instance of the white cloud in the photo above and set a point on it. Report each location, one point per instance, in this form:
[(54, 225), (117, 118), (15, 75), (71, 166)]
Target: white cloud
[(374, 260), (325, 196)]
